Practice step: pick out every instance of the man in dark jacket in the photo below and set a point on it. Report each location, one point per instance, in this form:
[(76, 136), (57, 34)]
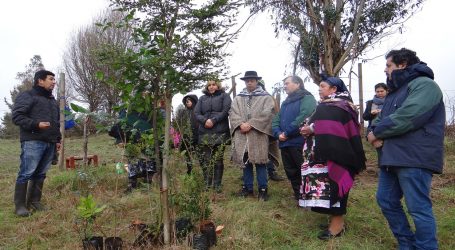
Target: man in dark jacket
[(187, 125), (36, 112), (298, 106), (410, 130)]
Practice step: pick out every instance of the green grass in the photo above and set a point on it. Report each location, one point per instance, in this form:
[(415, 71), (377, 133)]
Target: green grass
[(249, 224)]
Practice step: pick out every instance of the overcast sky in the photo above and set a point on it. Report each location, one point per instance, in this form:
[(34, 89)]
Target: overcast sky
[(29, 27)]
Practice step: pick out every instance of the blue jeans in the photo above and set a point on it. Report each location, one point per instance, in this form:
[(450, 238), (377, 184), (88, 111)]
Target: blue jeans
[(261, 176), (414, 184), (36, 158)]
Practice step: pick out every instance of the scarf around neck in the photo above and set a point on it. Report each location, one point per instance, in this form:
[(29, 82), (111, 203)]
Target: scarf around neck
[(257, 92), (379, 102)]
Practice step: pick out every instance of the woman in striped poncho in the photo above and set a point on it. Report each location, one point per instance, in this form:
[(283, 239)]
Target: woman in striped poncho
[(333, 155)]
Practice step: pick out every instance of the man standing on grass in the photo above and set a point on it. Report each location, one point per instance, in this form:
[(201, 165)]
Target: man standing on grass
[(36, 112), (298, 106), (410, 133), (251, 128)]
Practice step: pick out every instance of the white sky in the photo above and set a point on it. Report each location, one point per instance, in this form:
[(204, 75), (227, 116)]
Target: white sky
[(30, 27)]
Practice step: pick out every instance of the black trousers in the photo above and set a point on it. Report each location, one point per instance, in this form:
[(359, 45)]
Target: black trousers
[(292, 158), (211, 159)]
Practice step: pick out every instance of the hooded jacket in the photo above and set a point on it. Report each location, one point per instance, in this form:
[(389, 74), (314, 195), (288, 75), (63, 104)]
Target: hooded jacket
[(412, 120), (32, 107), (187, 123)]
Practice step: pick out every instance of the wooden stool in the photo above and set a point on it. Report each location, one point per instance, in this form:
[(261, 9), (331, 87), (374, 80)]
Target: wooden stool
[(71, 161)]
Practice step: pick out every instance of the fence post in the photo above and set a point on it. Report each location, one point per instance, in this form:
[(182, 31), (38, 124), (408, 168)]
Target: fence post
[(62, 99)]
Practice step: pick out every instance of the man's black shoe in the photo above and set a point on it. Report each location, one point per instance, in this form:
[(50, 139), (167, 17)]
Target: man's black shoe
[(275, 177), (263, 194)]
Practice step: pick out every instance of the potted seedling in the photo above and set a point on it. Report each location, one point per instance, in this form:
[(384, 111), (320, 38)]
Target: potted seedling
[(87, 212), (193, 202)]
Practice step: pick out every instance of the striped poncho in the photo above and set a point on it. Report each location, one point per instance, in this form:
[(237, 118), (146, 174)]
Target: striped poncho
[(338, 142)]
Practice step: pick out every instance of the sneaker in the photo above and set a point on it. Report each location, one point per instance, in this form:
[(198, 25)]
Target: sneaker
[(263, 194), (245, 192), (275, 177)]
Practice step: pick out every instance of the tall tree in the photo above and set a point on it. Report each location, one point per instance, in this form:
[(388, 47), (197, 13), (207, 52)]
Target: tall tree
[(8, 129), (179, 44), (83, 65), (329, 33)]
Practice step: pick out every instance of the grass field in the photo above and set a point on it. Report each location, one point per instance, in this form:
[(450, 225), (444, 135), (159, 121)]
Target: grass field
[(249, 224)]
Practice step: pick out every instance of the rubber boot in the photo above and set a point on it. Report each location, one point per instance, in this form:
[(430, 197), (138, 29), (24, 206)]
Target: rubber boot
[(34, 194), (20, 193), (218, 176), (208, 176)]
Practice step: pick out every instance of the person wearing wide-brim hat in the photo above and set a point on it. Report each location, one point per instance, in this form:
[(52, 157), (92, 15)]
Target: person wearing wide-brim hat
[(250, 75), (251, 117)]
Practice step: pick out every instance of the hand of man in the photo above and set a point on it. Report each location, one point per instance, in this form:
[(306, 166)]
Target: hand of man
[(245, 127), (371, 138), (59, 146), (282, 137), (375, 111), (44, 125), (208, 124), (306, 131), (377, 143)]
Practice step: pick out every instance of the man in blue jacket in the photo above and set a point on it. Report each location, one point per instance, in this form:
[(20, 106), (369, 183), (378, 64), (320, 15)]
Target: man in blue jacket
[(36, 112), (410, 130), (298, 106)]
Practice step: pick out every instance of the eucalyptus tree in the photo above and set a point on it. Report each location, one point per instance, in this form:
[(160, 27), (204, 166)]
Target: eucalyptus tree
[(178, 44), (327, 34)]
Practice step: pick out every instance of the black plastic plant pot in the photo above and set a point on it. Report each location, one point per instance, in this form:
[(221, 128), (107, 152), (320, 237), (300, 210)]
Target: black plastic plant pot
[(113, 243), (182, 227), (200, 242), (150, 167), (93, 243), (208, 229), (133, 171)]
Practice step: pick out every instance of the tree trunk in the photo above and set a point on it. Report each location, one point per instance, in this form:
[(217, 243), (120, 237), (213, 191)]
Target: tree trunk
[(164, 177), (85, 146)]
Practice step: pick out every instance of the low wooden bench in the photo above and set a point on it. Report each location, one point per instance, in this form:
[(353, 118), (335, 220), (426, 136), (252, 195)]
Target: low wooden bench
[(71, 161)]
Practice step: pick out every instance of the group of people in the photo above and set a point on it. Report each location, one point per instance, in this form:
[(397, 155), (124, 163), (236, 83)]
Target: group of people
[(320, 142)]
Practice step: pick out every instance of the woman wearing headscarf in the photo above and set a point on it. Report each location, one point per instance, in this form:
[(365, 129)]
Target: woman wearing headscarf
[(211, 112), (333, 155)]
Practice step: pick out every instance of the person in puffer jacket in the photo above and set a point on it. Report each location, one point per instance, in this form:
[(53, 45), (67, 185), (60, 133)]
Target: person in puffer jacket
[(410, 133), (212, 112), (36, 112)]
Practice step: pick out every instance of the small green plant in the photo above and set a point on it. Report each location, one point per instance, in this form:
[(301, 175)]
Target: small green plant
[(191, 200), (87, 212)]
